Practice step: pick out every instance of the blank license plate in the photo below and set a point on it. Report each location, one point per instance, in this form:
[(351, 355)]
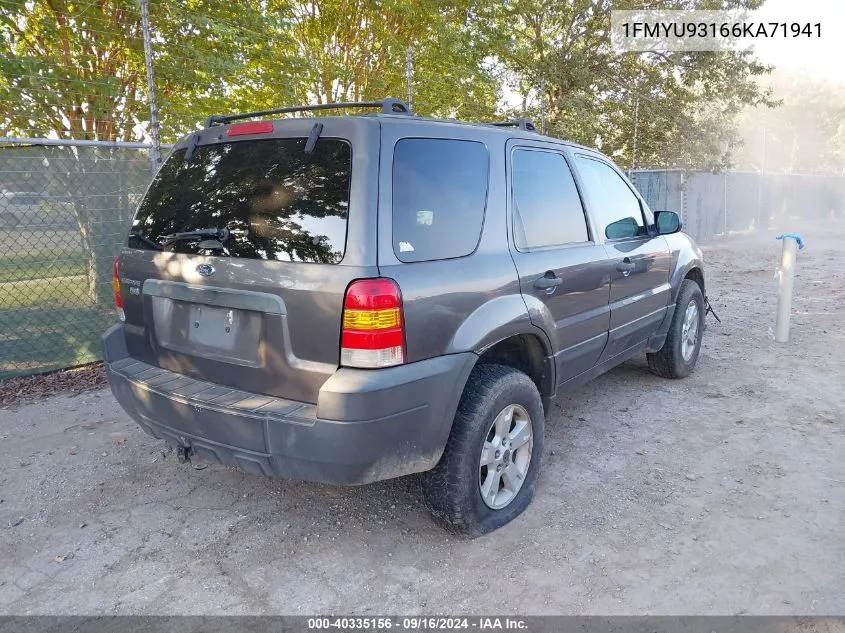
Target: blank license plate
[(214, 327), (222, 334)]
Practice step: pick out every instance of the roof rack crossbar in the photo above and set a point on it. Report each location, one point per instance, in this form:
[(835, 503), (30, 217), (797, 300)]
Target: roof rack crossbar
[(522, 124), (388, 106)]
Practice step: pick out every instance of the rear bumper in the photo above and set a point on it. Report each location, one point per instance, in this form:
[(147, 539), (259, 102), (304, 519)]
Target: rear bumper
[(367, 425)]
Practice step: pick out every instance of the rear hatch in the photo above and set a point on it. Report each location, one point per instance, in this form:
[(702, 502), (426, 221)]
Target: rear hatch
[(241, 251)]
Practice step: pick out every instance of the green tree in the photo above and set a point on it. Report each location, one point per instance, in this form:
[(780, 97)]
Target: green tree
[(76, 70), (69, 70), (354, 50), (679, 106)]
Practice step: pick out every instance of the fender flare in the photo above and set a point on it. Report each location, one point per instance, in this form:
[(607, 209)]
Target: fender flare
[(497, 320), (680, 273)]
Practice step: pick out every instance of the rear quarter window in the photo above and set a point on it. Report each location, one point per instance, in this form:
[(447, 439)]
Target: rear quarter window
[(439, 198)]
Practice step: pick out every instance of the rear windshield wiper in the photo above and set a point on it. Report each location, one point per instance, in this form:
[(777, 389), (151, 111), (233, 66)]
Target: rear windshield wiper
[(146, 240), (221, 235)]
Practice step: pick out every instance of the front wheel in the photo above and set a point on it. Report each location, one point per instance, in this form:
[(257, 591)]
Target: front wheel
[(486, 475), (679, 354)]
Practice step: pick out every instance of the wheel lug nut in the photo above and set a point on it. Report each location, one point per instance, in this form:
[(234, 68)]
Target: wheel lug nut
[(498, 454), (499, 468)]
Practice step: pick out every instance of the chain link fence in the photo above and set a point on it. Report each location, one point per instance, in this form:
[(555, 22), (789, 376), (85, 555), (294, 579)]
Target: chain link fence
[(66, 206), (65, 210), (716, 206)]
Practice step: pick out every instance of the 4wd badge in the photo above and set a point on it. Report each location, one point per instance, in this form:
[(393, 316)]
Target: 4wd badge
[(206, 270)]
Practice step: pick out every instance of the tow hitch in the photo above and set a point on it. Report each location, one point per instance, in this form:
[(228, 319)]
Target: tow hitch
[(188, 454)]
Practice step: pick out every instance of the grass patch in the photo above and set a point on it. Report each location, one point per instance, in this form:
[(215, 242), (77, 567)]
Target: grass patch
[(37, 340), (49, 323), (23, 266), (55, 293)]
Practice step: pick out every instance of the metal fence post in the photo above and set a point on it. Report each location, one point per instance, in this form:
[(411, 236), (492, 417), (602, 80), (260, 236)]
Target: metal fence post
[(636, 126), (409, 76), (543, 106), (760, 183), (155, 150), (726, 207)]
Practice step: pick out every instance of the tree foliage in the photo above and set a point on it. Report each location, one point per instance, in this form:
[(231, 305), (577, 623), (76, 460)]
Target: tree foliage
[(354, 50), (73, 71), (678, 107), (76, 69)]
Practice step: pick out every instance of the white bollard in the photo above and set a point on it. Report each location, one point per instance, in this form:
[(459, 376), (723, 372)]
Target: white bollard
[(786, 274)]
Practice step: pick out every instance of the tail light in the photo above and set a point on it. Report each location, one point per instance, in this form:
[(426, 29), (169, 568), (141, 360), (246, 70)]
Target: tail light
[(115, 285), (373, 333)]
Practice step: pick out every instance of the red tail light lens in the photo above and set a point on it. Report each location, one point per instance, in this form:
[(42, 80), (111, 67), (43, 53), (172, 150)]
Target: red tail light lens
[(373, 333), (115, 285), (253, 127)]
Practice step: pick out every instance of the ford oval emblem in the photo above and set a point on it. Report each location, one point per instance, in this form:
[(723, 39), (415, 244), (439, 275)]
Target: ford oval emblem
[(206, 270)]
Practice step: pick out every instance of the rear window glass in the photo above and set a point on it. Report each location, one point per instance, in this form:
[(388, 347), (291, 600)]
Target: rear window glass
[(439, 195), (547, 207), (274, 201)]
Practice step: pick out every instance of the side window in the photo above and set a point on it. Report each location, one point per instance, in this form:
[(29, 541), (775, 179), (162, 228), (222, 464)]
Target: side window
[(439, 197), (547, 210), (616, 208)]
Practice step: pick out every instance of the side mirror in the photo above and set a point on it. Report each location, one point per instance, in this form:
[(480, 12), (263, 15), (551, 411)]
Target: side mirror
[(622, 229), (667, 222)]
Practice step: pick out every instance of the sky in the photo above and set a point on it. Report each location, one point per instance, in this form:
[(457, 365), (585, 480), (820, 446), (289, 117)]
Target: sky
[(821, 58)]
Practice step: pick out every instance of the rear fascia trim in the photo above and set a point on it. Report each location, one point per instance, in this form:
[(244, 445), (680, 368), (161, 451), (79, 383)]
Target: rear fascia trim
[(221, 297)]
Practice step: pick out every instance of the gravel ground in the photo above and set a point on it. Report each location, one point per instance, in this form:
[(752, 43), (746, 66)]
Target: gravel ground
[(719, 494)]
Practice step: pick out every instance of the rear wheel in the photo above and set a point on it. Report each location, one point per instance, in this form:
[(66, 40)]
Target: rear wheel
[(679, 354), (486, 475)]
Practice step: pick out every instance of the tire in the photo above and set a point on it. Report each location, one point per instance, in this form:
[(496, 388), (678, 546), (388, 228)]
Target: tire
[(453, 490), (671, 361)]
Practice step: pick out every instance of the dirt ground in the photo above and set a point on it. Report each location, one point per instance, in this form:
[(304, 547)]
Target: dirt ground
[(719, 494)]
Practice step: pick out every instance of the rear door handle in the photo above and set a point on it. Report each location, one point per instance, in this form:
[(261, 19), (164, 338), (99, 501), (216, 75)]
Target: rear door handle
[(548, 282)]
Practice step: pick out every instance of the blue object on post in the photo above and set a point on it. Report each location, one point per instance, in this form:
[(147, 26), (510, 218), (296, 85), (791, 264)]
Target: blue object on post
[(794, 236)]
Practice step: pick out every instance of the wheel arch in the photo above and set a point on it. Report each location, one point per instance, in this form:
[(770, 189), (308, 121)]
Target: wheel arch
[(696, 273), (529, 352)]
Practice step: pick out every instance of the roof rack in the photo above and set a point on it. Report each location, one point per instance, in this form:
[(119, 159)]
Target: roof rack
[(388, 106), (522, 124)]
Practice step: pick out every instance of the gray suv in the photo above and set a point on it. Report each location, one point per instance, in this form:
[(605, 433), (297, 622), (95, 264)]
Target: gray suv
[(347, 299)]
